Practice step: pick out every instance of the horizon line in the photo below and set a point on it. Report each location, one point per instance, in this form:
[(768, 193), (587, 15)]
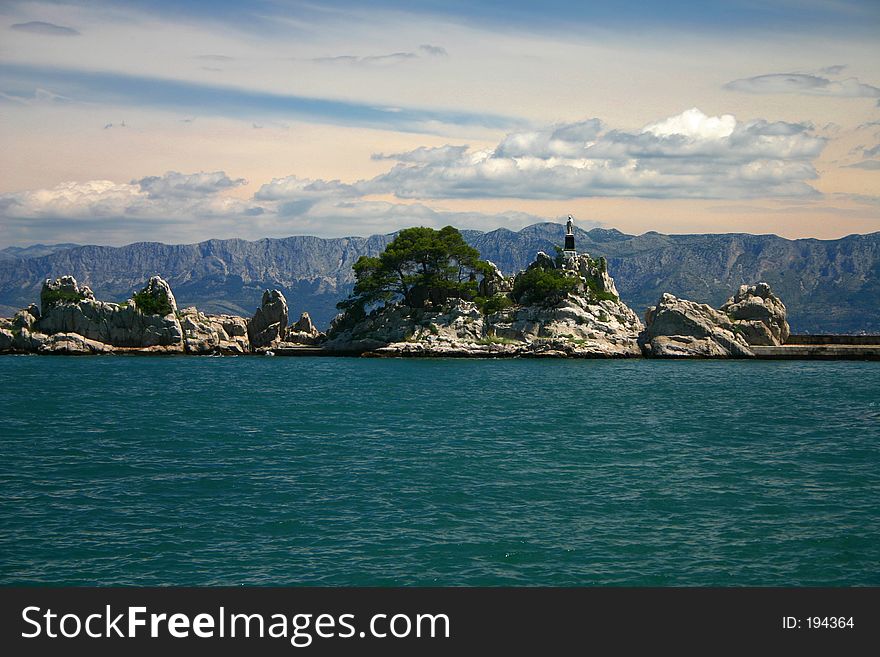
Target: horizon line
[(463, 230)]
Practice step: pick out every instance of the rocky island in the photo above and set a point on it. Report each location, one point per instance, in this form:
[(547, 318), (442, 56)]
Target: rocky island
[(427, 294)]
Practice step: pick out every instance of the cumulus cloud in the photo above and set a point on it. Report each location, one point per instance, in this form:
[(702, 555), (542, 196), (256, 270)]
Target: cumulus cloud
[(293, 188), (425, 154), (690, 155), (331, 216), (172, 196), (802, 83), (566, 140), (190, 207), (47, 29), (182, 185)]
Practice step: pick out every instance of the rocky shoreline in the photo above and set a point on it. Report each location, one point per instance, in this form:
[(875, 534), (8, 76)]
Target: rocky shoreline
[(589, 321)]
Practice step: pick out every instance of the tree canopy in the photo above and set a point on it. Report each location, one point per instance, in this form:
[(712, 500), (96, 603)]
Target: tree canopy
[(420, 265), (543, 286)]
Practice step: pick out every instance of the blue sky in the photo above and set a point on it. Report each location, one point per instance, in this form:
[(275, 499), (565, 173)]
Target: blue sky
[(213, 99), (345, 117), (627, 14)]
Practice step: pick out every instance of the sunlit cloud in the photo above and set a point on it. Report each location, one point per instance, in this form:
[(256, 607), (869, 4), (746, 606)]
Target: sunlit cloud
[(690, 155)]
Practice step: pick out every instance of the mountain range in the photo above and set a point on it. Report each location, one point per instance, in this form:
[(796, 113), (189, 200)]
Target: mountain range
[(829, 286)]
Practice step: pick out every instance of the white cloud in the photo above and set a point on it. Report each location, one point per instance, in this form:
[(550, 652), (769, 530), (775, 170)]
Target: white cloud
[(172, 197), (176, 184), (566, 140), (695, 125), (425, 155), (802, 83), (361, 217), (690, 155), (293, 188), (179, 207)]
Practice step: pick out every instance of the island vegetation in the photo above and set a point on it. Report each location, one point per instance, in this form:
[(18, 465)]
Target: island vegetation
[(427, 294), (423, 267)]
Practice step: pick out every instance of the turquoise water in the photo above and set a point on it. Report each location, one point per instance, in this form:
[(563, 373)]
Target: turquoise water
[(185, 470)]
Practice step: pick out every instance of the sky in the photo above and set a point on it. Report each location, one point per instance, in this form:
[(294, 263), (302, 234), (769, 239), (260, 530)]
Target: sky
[(138, 120)]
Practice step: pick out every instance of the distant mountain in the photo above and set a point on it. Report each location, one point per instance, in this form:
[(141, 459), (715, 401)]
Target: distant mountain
[(34, 251), (829, 286)]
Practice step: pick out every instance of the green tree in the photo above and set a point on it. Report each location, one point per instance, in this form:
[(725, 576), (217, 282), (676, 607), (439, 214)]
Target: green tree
[(420, 265), (542, 286)]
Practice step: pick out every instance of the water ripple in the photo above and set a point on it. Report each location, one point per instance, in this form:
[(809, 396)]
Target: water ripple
[(156, 471)]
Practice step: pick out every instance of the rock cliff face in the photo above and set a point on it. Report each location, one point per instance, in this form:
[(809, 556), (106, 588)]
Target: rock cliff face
[(588, 322), (69, 308), (214, 334), (676, 328), (269, 324), (759, 314), (304, 332), (71, 321)]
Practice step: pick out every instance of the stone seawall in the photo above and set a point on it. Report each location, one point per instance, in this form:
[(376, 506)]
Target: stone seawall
[(804, 339), (819, 352)]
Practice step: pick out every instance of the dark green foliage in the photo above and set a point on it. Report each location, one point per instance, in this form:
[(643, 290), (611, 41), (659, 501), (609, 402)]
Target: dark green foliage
[(494, 304), (597, 293), (150, 305), (542, 286), (420, 266), (54, 297)]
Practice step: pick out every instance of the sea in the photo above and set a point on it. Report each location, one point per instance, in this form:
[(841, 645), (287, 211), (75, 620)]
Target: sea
[(127, 470)]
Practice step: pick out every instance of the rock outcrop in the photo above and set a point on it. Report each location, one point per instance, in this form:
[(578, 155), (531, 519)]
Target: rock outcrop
[(71, 321), (72, 344), (493, 282), (147, 320), (590, 321), (303, 332), (156, 298), (759, 314), (269, 324), (7, 340), (677, 328), (213, 334), (565, 306), (594, 327)]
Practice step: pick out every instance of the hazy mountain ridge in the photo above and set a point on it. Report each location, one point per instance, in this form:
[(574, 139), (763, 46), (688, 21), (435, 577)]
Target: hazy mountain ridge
[(828, 285), (32, 251)]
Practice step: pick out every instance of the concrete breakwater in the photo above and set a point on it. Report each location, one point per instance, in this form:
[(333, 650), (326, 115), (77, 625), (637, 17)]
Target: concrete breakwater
[(823, 347), (805, 339)]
